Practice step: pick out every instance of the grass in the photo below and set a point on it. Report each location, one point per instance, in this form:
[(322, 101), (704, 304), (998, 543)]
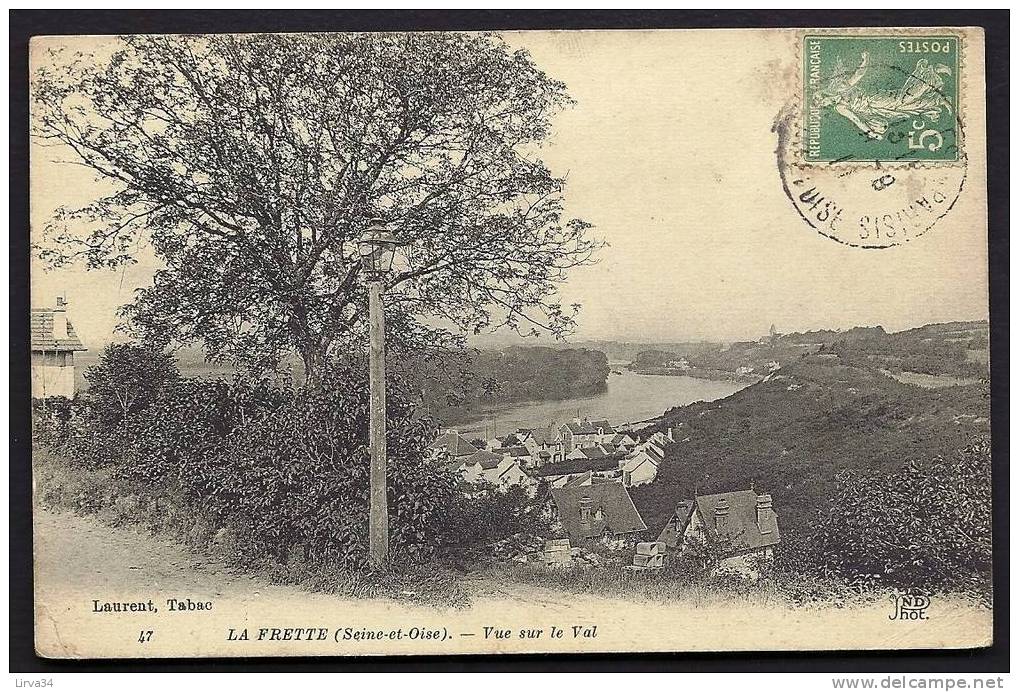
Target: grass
[(613, 582), (775, 590), (62, 484), (662, 586)]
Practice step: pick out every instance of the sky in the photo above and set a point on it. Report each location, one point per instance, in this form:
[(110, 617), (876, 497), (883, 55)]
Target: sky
[(669, 153)]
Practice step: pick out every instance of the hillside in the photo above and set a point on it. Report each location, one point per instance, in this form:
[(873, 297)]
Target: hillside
[(518, 373), (791, 433), (957, 349)]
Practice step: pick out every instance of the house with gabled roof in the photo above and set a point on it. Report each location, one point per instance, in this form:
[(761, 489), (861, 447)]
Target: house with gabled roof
[(577, 433), (623, 441), (54, 343), (453, 445), (662, 439), (502, 471), (599, 511), (741, 527), (642, 466), (520, 453), (475, 465), (543, 444)]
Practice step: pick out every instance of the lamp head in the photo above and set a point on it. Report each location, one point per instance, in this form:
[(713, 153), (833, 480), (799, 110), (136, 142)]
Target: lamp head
[(377, 247)]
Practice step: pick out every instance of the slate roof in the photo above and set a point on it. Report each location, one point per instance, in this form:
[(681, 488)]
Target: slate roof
[(660, 439), (582, 428), (455, 444), (604, 425), (488, 460), (593, 452), (741, 522), (618, 515), (42, 334), (578, 480), (513, 451), (655, 453), (673, 532), (543, 436)]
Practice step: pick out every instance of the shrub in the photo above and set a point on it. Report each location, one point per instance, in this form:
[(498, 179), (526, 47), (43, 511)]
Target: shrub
[(282, 474), (927, 524), (125, 381)]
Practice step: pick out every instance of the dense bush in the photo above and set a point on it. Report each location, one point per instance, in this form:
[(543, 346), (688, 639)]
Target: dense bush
[(925, 526), (285, 472), (125, 381)]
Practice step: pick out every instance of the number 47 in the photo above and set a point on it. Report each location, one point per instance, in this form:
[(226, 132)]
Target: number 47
[(919, 143), (145, 636)]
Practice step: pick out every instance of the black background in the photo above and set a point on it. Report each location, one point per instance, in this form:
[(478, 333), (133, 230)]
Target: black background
[(25, 24)]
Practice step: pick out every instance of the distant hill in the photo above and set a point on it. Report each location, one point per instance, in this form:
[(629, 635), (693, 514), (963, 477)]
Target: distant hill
[(484, 377), (823, 336), (791, 433), (617, 351), (958, 349)]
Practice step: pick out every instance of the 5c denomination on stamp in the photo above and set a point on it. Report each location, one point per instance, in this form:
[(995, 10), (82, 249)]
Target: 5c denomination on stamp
[(880, 98), (871, 148)]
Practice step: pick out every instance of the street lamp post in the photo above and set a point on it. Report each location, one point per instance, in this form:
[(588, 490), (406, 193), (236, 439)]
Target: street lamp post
[(377, 247)]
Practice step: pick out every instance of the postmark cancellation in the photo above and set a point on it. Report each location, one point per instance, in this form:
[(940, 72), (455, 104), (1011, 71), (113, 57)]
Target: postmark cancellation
[(871, 146), (881, 98)]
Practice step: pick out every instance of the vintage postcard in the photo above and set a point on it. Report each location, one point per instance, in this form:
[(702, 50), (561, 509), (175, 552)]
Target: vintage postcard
[(351, 344)]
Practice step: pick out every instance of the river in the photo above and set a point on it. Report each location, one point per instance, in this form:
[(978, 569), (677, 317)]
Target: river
[(629, 398)]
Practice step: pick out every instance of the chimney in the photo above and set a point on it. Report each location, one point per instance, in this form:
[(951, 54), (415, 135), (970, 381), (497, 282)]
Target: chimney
[(672, 434), (60, 319), (765, 514), (585, 509), (721, 514)]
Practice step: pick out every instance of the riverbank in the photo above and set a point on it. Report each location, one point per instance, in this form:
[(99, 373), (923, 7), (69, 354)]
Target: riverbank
[(701, 374), (629, 398)]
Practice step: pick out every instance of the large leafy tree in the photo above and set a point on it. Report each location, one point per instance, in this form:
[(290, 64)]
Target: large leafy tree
[(253, 163)]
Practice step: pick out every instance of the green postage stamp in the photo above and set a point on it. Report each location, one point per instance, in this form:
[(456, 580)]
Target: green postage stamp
[(881, 98)]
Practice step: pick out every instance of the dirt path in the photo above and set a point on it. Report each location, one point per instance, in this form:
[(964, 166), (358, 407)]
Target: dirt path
[(80, 561), (82, 554)]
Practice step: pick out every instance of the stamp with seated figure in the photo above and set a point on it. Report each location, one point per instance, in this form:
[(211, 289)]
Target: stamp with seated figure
[(871, 147), (880, 98)]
